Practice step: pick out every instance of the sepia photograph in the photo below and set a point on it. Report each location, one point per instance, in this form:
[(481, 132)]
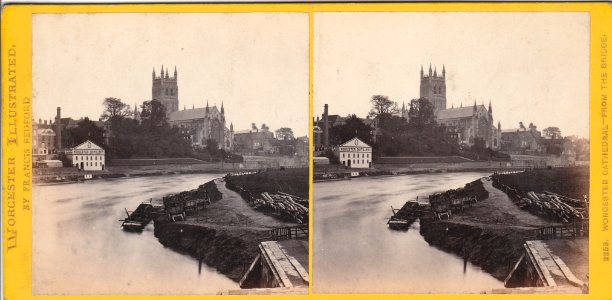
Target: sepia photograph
[(451, 152), (170, 153)]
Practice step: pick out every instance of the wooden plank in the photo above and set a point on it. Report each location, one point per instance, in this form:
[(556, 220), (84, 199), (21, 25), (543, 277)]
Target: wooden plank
[(296, 265), (273, 255), (248, 272), (540, 263), (270, 264)]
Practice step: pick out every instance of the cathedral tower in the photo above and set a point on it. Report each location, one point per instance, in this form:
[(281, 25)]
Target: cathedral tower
[(433, 88), (165, 90)]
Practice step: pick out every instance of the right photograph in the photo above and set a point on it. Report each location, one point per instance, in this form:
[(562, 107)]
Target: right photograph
[(451, 152)]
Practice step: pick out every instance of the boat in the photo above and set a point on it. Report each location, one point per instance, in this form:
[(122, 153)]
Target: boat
[(138, 219), (404, 217)]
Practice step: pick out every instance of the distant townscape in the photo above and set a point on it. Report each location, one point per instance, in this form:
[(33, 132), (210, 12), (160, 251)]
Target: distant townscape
[(425, 130), (158, 130)]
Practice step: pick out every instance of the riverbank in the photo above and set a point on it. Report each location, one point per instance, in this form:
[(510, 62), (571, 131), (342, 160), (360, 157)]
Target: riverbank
[(69, 175), (332, 173), (225, 235), (491, 233)]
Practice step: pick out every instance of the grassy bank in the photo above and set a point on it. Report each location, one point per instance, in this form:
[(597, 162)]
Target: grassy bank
[(290, 181), (570, 182)]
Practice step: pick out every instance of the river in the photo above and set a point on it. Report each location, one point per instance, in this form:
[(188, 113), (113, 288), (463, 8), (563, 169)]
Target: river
[(80, 248), (355, 252)]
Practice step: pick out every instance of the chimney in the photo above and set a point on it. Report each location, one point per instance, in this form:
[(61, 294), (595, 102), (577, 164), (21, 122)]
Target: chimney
[(325, 126), (58, 129)]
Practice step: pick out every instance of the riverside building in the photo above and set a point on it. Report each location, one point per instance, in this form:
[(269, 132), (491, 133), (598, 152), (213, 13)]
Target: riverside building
[(355, 154)]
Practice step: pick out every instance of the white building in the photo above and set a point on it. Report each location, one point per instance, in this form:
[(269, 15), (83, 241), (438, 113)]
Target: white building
[(87, 156), (355, 154)]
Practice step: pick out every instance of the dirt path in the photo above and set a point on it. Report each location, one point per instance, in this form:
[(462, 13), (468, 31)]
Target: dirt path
[(233, 213), (498, 211)]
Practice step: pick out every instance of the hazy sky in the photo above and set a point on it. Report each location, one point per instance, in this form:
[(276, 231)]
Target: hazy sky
[(256, 63), (534, 67)]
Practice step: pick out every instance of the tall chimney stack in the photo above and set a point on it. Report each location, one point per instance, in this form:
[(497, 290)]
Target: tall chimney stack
[(58, 129), (325, 127)]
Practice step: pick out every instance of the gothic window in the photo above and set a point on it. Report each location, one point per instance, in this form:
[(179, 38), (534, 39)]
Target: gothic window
[(166, 91), (171, 92)]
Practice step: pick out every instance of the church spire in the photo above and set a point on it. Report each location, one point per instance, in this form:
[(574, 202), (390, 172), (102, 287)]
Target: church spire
[(490, 108), (421, 71), (232, 127), (166, 73), (206, 106), (498, 125), (175, 73), (222, 109), (430, 69), (443, 71), (153, 72), (435, 72), (474, 105)]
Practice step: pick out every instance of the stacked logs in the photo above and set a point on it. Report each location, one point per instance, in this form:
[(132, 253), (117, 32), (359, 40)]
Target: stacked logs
[(547, 204), (560, 207), (284, 205)]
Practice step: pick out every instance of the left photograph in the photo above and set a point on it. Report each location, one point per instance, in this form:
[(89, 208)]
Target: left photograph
[(170, 153)]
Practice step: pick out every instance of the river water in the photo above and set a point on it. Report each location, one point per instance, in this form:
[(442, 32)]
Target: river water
[(355, 252), (80, 248)]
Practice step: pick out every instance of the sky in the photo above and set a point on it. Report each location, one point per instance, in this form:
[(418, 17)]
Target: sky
[(256, 64), (533, 66)]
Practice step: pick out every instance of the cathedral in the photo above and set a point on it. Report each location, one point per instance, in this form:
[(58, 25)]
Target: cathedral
[(199, 124), (463, 123)]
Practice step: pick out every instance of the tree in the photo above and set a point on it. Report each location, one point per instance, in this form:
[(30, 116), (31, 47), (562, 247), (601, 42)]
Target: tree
[(284, 133), (254, 127), (264, 127), (382, 105), (153, 115), (552, 132), (421, 114), (86, 130), (113, 107), (352, 127)]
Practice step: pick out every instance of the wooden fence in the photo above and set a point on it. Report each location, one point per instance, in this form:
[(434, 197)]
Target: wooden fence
[(571, 230), (288, 233)]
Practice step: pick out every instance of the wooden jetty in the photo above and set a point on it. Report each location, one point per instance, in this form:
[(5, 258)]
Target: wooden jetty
[(404, 217), (279, 265), (540, 267)]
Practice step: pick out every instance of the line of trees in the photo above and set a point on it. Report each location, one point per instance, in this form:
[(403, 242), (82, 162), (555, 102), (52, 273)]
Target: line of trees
[(420, 135)]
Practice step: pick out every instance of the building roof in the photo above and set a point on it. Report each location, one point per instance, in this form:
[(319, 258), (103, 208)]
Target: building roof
[(88, 145), (458, 112), (192, 114), (355, 142)]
